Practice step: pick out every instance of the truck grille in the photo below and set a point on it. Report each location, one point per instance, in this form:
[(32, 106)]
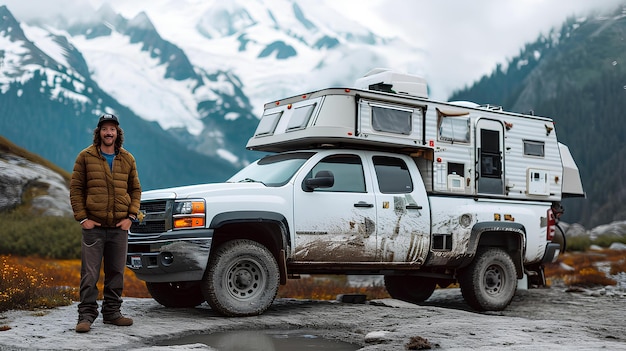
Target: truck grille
[(151, 207), (157, 217)]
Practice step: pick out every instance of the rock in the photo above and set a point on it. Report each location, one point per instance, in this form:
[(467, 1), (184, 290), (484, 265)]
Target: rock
[(17, 174), (377, 337), (617, 228), (575, 230), (617, 246)]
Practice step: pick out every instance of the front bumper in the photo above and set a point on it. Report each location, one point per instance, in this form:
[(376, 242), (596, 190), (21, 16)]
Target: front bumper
[(169, 257)]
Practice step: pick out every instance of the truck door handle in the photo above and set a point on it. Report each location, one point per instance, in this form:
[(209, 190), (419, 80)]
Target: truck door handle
[(363, 204), (413, 207)]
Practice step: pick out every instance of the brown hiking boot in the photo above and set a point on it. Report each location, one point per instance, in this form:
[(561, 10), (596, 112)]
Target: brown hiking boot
[(122, 321), (83, 326)]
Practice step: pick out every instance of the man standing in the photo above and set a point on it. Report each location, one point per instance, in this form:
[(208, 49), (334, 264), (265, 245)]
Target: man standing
[(105, 193)]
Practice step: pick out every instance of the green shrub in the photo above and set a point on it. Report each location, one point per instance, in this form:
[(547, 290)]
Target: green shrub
[(605, 240), (24, 234), (578, 243)]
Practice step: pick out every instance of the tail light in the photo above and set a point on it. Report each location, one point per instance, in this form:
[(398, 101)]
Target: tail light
[(551, 225)]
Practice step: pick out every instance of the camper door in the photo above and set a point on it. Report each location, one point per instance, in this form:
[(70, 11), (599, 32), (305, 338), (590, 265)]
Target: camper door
[(489, 156)]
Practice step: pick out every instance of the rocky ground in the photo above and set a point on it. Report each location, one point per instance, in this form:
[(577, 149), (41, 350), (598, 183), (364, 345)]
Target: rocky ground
[(538, 319)]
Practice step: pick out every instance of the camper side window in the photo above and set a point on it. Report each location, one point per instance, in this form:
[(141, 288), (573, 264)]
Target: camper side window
[(454, 129), (268, 124), (534, 148), (392, 120), (300, 117)]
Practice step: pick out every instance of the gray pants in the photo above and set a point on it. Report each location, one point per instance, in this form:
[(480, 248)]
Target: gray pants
[(98, 245)]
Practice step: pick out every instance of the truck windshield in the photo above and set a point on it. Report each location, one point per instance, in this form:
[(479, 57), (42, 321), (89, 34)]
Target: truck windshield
[(273, 170)]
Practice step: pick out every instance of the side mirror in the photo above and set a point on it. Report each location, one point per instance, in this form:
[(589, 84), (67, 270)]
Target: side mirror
[(323, 179)]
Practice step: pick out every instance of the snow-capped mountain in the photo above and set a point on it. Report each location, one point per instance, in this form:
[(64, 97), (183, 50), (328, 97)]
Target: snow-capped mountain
[(201, 70), (281, 47), (277, 48), (49, 103)]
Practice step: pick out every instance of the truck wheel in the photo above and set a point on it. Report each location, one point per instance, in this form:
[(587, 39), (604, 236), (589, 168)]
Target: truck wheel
[(178, 294), (242, 279), (408, 288), (489, 282)]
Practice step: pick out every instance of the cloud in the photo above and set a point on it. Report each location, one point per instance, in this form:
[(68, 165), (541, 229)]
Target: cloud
[(35, 9), (463, 40), (466, 39)]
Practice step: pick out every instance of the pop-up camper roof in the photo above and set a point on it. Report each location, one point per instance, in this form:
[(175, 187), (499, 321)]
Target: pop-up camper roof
[(341, 116), (385, 109)]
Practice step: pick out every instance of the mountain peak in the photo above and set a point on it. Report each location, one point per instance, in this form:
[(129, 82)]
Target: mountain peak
[(141, 21), (9, 25), (106, 12)]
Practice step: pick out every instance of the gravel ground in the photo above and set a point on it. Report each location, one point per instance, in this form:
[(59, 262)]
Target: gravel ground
[(538, 319)]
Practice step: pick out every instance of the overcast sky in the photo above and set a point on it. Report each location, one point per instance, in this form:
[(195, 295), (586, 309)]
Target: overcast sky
[(463, 39)]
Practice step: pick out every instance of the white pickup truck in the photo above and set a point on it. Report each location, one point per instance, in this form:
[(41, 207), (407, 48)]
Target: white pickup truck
[(372, 180)]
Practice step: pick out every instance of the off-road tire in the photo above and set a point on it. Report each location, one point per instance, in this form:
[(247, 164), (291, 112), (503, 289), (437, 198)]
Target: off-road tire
[(409, 288), (242, 279), (178, 294), (490, 281)]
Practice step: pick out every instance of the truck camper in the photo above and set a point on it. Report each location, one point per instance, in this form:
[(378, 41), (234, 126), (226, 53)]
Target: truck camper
[(371, 179)]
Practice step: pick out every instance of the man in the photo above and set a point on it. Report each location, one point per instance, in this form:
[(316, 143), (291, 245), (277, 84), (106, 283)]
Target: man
[(105, 193)]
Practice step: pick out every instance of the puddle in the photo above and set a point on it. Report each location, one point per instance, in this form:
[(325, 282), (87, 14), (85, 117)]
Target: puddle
[(263, 340)]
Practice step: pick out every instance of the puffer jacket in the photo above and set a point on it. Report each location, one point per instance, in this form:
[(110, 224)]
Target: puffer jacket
[(98, 194)]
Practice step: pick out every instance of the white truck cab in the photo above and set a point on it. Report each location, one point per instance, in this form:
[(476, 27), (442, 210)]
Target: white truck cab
[(376, 179)]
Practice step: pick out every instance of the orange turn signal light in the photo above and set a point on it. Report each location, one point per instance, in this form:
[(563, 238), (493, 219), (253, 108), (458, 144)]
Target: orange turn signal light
[(188, 222)]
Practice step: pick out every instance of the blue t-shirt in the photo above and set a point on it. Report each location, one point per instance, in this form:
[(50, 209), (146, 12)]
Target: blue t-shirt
[(109, 158)]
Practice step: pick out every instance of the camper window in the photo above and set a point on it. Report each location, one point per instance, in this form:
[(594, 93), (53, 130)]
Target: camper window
[(392, 120), (268, 123), (534, 148), (300, 117), (454, 129)]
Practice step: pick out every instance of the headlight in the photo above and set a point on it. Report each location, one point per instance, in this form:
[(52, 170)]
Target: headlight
[(189, 214), (189, 207)]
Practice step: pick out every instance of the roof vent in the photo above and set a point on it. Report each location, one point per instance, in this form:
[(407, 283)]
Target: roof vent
[(491, 107), (381, 79)]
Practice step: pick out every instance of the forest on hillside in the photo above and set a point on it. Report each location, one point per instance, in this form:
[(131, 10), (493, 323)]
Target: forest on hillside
[(577, 76)]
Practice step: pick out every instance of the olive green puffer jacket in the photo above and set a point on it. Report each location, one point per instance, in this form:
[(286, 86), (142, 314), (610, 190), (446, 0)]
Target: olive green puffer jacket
[(98, 194)]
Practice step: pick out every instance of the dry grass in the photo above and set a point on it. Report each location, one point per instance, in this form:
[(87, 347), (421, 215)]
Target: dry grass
[(327, 288), (587, 269), (23, 287), (32, 282)]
